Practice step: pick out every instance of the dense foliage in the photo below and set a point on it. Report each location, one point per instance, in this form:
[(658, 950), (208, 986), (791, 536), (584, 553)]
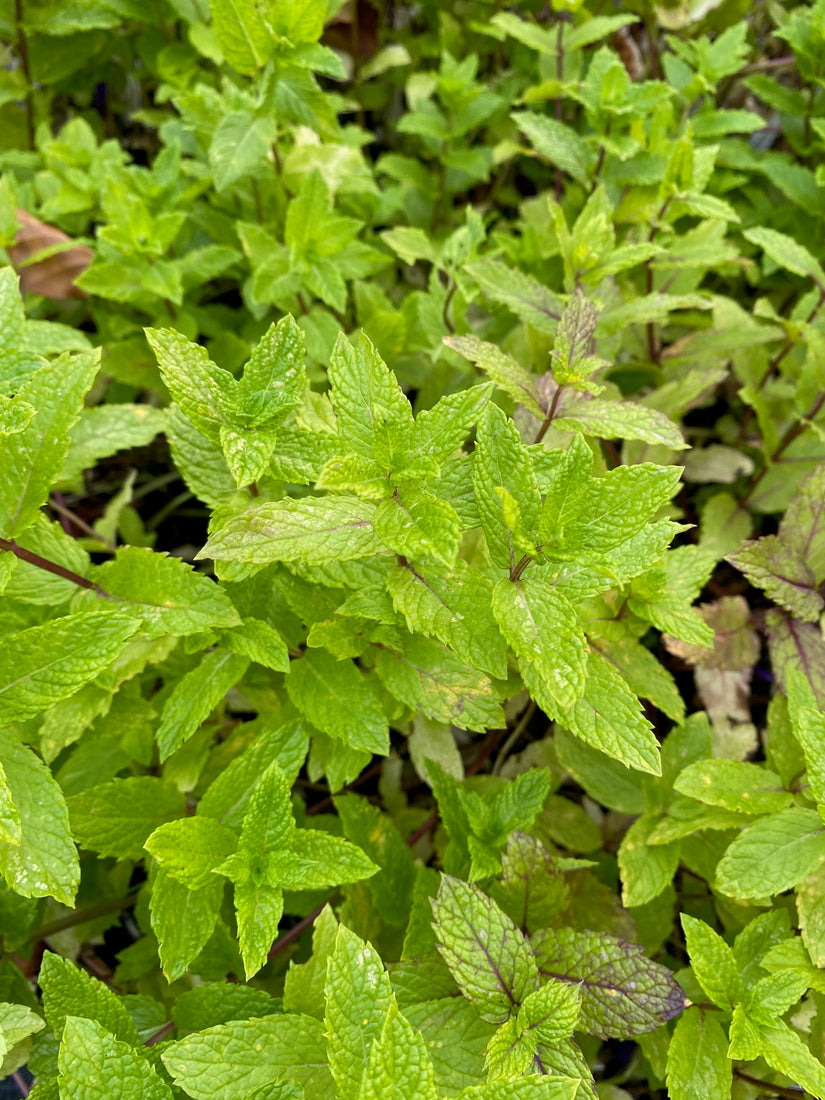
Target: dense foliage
[(412, 549)]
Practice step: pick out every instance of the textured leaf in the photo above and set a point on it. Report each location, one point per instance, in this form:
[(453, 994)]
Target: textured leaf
[(367, 399), (558, 143), (96, 1066), (274, 379), (502, 368), (491, 961), (399, 1065), (358, 997), (240, 142), (552, 1012), (379, 839), (647, 870), (620, 420), (225, 1062), (810, 902), (183, 920), (195, 696), (453, 606), (243, 35), (336, 698), (501, 462), (167, 594), (260, 642), (608, 716), (191, 848), (202, 390), (104, 430), (42, 862), (787, 253), (69, 991), (310, 530), (623, 992), (417, 524), (115, 818), (746, 788), (304, 982), (698, 1067), (52, 661), (773, 855), (541, 626), (713, 963), (427, 678), (786, 1051), (521, 293), (770, 564), (32, 457)]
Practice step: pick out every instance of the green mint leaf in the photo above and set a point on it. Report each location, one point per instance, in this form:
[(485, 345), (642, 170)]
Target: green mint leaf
[(274, 379), (506, 373), (810, 904), (808, 724), (773, 855), (379, 839), (428, 678), (647, 870), (239, 145), (304, 983), (94, 1065), (744, 1035), (697, 1061), (510, 1052), (199, 459), (620, 420), (195, 696), (166, 593), (69, 991), (491, 961), (248, 452), (774, 995), (713, 963), (319, 859), (745, 788), (787, 253), (645, 676), (520, 293), (541, 626), (417, 524), (115, 818), (309, 530), (532, 890), (440, 431), (784, 1049), (399, 1065), (552, 1012), (52, 661), (233, 1059), (623, 992), (103, 431), (557, 143), (32, 457), (260, 642), (244, 36), (523, 1088), (358, 997), (501, 462), (608, 716), (189, 850), (202, 390), (42, 861), (212, 1003), (183, 920), (339, 700), (454, 607), (369, 404)]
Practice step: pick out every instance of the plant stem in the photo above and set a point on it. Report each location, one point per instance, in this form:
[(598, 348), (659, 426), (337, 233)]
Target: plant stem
[(160, 1034), (514, 737), (768, 1086), (81, 916), (298, 929), (71, 519), (559, 77), (787, 439), (653, 349), (548, 420), (21, 1083), (52, 567)]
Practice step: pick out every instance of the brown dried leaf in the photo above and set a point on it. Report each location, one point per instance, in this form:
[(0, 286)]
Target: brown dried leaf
[(54, 275)]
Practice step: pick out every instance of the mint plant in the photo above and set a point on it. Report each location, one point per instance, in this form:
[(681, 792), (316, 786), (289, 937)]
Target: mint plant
[(411, 550)]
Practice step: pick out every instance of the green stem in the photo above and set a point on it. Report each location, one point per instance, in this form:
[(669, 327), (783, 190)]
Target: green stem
[(82, 916), (787, 439)]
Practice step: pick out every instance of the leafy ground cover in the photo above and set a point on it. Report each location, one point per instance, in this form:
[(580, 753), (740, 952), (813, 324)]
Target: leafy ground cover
[(412, 549)]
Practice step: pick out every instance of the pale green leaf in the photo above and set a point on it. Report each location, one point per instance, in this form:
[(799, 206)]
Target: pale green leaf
[(773, 855), (201, 389), (713, 963), (191, 848), (697, 1062), (745, 788), (416, 524), (228, 1061), (240, 143), (115, 818), (367, 399), (620, 420), (557, 143), (42, 862), (310, 530), (502, 368), (647, 870), (336, 697), (788, 253), (399, 1064), (183, 920), (195, 696), (96, 1066), (69, 991), (32, 458), (244, 36), (358, 996)]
